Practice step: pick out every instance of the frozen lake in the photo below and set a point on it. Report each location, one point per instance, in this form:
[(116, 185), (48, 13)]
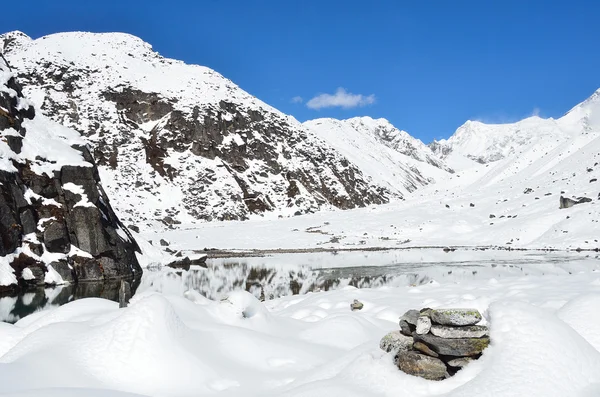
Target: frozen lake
[(277, 275)]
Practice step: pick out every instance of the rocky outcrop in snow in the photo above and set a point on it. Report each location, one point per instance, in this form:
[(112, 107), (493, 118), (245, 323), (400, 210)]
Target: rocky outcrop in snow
[(56, 222), (435, 344), (182, 139)]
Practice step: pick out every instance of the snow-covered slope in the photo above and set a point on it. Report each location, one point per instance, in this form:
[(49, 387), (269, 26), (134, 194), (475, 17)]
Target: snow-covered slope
[(545, 333), (181, 139), (389, 156)]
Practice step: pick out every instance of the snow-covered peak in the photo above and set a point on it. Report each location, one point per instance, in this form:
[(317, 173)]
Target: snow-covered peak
[(386, 133), (486, 143), (585, 115), (389, 156), (111, 60), (13, 40)]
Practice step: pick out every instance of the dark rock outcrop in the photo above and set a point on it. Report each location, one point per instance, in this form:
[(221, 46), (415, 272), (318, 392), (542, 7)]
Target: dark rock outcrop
[(186, 263), (61, 210), (566, 202)]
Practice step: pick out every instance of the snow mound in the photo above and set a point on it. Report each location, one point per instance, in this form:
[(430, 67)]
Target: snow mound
[(583, 314), (308, 345), (533, 354)]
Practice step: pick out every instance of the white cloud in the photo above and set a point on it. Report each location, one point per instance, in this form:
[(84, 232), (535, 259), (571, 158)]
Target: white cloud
[(297, 99), (341, 98)]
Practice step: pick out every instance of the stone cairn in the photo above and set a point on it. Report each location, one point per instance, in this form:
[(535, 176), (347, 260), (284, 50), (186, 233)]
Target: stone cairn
[(435, 344)]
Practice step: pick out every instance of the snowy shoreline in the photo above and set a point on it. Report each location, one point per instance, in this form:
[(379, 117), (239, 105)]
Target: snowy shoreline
[(249, 253)]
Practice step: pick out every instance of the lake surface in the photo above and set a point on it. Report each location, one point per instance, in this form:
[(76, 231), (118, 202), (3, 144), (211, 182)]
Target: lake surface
[(285, 274)]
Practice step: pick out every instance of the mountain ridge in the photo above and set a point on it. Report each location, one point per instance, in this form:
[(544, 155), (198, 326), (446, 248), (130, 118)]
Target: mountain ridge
[(181, 138)]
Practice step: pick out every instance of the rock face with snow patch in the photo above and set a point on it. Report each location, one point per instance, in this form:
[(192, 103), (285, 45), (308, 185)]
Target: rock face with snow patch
[(391, 157), (56, 222), (182, 138)]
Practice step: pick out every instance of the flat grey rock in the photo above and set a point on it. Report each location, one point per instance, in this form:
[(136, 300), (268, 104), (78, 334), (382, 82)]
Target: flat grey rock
[(423, 325), (467, 331), (458, 317), (418, 364), (406, 328), (459, 362), (454, 347), (395, 341), (411, 317), (423, 348)]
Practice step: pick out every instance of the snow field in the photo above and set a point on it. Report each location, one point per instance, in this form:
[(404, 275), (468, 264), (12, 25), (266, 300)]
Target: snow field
[(544, 334)]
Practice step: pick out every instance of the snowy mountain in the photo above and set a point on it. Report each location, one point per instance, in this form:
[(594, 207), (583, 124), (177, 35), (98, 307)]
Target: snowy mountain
[(513, 186), (182, 139), (389, 156), (486, 143)]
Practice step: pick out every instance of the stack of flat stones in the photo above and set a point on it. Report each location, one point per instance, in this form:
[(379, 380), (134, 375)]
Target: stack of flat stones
[(435, 344)]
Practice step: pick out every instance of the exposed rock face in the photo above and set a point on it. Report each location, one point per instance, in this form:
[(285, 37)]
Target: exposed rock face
[(566, 202), (182, 137), (392, 157), (54, 214)]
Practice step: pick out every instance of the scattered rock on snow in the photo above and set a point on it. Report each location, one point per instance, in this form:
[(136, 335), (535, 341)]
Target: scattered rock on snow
[(566, 202), (186, 262), (356, 305)]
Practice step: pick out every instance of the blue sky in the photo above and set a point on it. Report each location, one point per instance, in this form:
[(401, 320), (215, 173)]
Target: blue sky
[(427, 66)]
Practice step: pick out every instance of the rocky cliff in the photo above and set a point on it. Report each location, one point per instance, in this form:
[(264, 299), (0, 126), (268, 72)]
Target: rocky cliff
[(56, 222)]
